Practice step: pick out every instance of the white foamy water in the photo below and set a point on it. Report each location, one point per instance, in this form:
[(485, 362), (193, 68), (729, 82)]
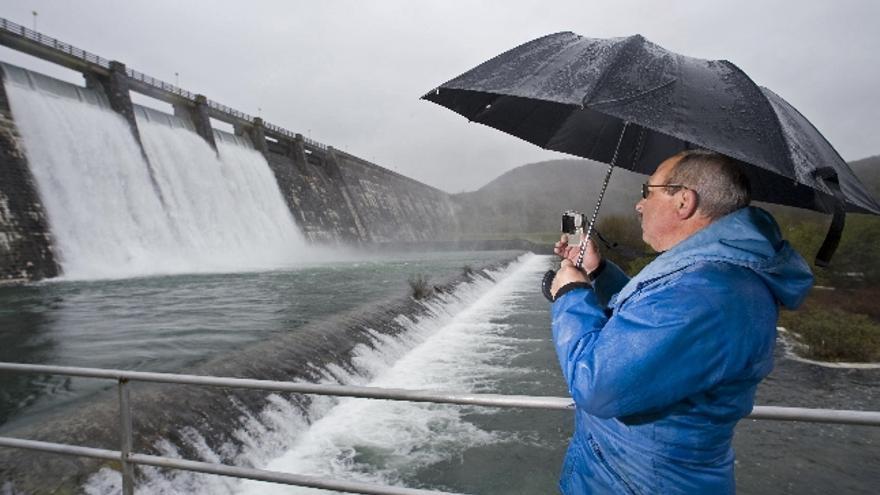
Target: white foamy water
[(228, 211), (384, 441), (108, 220), (452, 349)]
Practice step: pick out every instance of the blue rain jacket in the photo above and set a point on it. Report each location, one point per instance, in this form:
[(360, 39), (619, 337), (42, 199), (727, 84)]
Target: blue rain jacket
[(662, 366)]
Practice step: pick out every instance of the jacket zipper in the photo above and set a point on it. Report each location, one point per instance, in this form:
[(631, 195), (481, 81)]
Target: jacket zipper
[(601, 457)]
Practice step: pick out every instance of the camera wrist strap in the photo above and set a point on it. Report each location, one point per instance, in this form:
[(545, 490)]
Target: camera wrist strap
[(589, 233)]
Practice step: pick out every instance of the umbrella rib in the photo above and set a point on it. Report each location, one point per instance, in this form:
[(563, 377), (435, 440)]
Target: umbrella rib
[(560, 126), (775, 116), (526, 118), (635, 96), (822, 136), (596, 142), (627, 45)]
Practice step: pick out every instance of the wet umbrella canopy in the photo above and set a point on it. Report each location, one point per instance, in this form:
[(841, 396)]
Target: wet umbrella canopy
[(576, 95)]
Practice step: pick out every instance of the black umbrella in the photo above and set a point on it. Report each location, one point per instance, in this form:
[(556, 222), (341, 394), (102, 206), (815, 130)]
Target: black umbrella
[(632, 103)]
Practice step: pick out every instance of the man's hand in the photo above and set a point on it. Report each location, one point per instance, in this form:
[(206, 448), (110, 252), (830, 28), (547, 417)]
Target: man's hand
[(567, 274), (592, 258)]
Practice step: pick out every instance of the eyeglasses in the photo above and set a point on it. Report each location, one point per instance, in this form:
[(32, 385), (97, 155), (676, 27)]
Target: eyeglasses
[(646, 188)]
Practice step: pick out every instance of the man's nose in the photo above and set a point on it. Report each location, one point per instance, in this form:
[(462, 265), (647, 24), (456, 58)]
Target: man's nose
[(639, 205)]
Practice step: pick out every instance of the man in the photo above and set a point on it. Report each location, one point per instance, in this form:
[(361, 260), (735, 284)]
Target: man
[(662, 366)]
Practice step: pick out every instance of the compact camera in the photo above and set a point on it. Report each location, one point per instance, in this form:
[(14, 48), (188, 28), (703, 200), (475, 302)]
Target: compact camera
[(573, 222)]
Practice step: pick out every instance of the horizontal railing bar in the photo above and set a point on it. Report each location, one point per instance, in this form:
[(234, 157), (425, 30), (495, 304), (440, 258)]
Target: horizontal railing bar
[(60, 448), (523, 401), (218, 469), (278, 477), (836, 416)]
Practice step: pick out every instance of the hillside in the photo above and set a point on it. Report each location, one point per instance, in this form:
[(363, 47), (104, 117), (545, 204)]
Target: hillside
[(868, 170), (840, 324), (531, 198)]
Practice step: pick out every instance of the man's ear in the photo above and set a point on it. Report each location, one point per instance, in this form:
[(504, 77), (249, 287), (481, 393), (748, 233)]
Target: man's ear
[(686, 202)]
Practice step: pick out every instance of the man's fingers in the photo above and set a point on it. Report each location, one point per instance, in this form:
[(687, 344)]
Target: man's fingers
[(560, 248), (567, 273)]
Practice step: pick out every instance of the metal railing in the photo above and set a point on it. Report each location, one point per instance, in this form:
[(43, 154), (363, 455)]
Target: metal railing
[(128, 459), (159, 84), (231, 115), (230, 111), (15, 29), (315, 144), (49, 42), (279, 130)]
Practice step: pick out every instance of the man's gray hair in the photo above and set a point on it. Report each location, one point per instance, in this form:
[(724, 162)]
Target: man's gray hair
[(720, 184)]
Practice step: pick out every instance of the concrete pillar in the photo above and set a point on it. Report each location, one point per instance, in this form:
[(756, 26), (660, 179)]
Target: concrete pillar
[(297, 149), (115, 87), (258, 136), (199, 116)]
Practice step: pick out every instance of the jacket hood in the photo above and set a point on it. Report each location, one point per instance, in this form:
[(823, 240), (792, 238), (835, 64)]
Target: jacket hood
[(748, 237)]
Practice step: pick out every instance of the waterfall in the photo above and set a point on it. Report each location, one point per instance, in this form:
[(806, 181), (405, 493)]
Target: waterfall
[(211, 213)]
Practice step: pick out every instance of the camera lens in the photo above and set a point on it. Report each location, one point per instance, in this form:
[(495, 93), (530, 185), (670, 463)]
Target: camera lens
[(568, 223)]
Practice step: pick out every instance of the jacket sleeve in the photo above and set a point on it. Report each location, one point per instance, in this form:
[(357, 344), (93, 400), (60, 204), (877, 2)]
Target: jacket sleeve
[(654, 351), (609, 282)]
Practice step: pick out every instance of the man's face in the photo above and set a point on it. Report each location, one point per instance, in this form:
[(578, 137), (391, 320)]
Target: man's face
[(657, 211)]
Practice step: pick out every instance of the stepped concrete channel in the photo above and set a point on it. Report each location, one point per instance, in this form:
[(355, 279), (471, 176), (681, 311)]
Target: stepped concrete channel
[(334, 196)]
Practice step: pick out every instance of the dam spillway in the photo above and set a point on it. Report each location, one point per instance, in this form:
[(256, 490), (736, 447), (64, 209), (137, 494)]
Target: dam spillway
[(203, 224), (202, 210)]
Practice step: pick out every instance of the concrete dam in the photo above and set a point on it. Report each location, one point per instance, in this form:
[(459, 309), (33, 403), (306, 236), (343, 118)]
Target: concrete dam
[(94, 185)]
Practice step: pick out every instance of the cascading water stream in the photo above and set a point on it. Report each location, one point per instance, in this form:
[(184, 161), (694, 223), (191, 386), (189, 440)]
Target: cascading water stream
[(221, 213), (458, 344)]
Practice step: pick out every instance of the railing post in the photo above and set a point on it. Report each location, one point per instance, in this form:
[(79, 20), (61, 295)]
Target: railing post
[(125, 438)]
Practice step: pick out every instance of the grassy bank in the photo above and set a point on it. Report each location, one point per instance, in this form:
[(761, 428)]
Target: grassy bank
[(837, 325)]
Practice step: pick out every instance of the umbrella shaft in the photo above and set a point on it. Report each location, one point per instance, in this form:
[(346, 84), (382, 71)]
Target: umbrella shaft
[(583, 247), (591, 225)]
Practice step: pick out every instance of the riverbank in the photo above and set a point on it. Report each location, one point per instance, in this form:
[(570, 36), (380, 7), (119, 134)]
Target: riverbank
[(794, 348), (835, 325)]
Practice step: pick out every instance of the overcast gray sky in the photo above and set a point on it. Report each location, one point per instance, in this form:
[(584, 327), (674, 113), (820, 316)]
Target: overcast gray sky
[(350, 73)]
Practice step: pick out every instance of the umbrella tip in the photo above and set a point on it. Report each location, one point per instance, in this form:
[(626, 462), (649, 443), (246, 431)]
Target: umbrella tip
[(429, 94)]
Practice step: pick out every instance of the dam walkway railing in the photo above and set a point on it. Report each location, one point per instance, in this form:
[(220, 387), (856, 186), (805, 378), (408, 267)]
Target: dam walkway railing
[(39, 45), (128, 459), (56, 51)]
